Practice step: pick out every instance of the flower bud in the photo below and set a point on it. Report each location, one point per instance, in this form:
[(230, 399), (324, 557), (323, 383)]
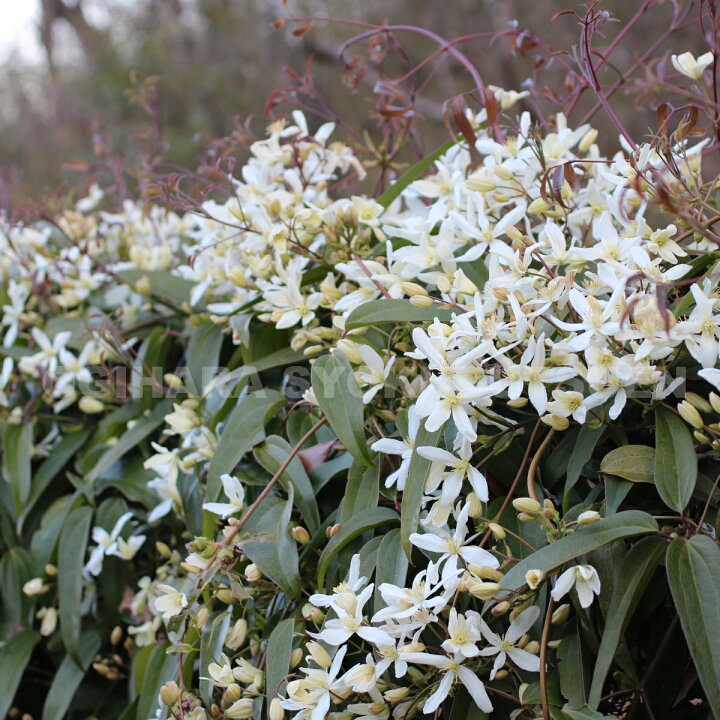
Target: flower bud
[(480, 182), (50, 570), (690, 415), (172, 380), (253, 573), (485, 572), (240, 710), (715, 401), (561, 614), (276, 712), (556, 422), (310, 612), (411, 289), (587, 140), (396, 694), (421, 301), (313, 350), (34, 587), (527, 505), (498, 531), (169, 693), (232, 693), (503, 172), (501, 674), (537, 207), (116, 635), (524, 517), (520, 402), (300, 535), (588, 517), (698, 402), (533, 578), (532, 647), (701, 437), (476, 506), (296, 657), (235, 639), (142, 286), (319, 654), (501, 608), (443, 284), (201, 618), (90, 405), (554, 644), (351, 350), (332, 530), (482, 590)]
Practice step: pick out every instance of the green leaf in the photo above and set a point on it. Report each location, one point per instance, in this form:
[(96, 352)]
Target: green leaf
[(16, 468), (340, 399), (616, 491), (244, 429), (16, 568), (203, 356), (675, 460), (361, 492), (162, 284), (693, 569), (582, 452), (213, 636), (68, 678), (583, 713), (632, 578), (628, 523), (392, 565), (271, 547), (129, 439), (54, 463), (14, 656), (279, 648), (386, 311), (571, 669), (412, 174), (271, 455), (635, 463), (366, 520), (160, 668), (415, 487), (71, 555)]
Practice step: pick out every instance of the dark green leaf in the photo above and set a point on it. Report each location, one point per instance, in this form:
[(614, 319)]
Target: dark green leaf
[(361, 491), (279, 648), (16, 469), (380, 312), (271, 454), (213, 636), (340, 399), (693, 569), (244, 429), (392, 565), (366, 520), (129, 439), (582, 452), (14, 656), (160, 668), (415, 487), (571, 669), (631, 462), (203, 356), (675, 460), (68, 678), (271, 548), (71, 555)]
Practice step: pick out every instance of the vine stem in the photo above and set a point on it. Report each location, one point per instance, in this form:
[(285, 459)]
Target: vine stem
[(236, 529), (534, 464), (543, 659)]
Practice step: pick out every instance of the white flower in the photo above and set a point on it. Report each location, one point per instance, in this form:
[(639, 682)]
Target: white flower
[(452, 547), (374, 373), (586, 582), (35, 587), (690, 66), (453, 670), (234, 491), (504, 646), (463, 636), (171, 603), (48, 617), (461, 468), (106, 545)]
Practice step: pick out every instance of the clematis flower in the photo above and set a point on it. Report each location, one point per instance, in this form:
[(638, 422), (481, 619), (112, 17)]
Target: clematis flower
[(171, 603), (690, 66), (586, 582), (234, 491)]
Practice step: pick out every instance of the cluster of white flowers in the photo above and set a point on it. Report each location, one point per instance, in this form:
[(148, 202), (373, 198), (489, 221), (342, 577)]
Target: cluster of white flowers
[(551, 305)]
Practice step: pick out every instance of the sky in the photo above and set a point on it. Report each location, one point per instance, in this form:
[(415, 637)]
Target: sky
[(18, 31)]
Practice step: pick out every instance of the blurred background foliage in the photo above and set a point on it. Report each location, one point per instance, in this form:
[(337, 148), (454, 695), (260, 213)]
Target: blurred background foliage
[(213, 64)]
